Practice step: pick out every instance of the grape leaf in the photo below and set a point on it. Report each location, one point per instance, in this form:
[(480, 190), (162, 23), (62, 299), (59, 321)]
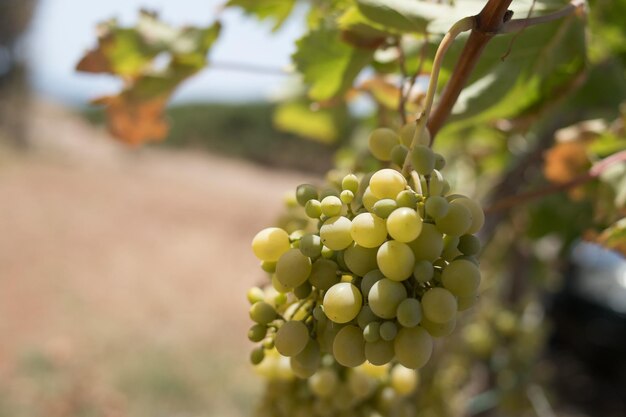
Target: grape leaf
[(275, 10), (327, 64), (135, 115)]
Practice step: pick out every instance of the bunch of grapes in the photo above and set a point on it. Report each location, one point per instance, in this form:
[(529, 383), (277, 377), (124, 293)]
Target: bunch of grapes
[(384, 265)]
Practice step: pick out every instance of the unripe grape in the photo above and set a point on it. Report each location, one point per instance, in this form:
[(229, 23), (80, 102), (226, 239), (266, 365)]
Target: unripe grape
[(385, 296), (346, 196), (461, 278), (369, 199), (398, 154), (305, 192), (291, 338), (440, 161), (381, 141), (349, 346), (477, 214), (255, 294), (306, 362), (360, 384), (270, 243), (324, 274), (466, 302), (368, 230), (279, 286), (407, 133), (335, 233), (395, 260), (403, 380), (388, 330), (423, 271), (342, 302), (262, 312), (407, 198), (313, 209), (436, 206), (371, 332), (365, 317), (439, 305), (257, 332), (350, 183), (331, 206), (409, 312), (387, 183), (429, 243), (413, 347), (423, 160), (360, 260), (303, 290), (469, 245), (324, 382), (438, 329), (379, 352), (383, 208), (311, 245), (293, 268), (369, 279), (269, 267), (457, 220), (437, 184), (257, 355), (404, 224)]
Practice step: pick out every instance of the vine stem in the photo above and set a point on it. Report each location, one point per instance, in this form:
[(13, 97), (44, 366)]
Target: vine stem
[(596, 170)]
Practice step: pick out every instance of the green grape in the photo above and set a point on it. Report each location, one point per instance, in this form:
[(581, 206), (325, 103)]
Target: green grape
[(331, 206), (270, 243), (409, 312), (324, 274), (349, 346), (467, 301), (439, 305), (413, 347), (429, 243), (279, 286), (360, 384), (257, 355), (436, 206), (307, 362), (469, 245), (407, 133), (305, 192), (398, 154), (311, 245), (293, 268), (318, 313), (450, 250), (350, 183), (388, 330), (255, 294), (387, 183), (457, 220), (360, 260), (257, 332), (440, 161), (383, 208), (365, 317), (346, 196), (262, 312), (313, 209), (385, 296), (291, 338), (379, 352), (369, 199), (369, 279), (404, 224), (371, 332), (268, 343), (327, 252), (381, 141), (342, 302), (280, 298), (437, 184), (368, 230), (335, 233), (324, 382), (461, 277), (269, 267), (477, 214), (395, 260), (403, 380), (326, 334), (423, 271), (407, 198), (439, 329), (303, 290), (423, 159)]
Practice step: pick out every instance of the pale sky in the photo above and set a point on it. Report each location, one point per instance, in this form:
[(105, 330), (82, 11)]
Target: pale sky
[(63, 29)]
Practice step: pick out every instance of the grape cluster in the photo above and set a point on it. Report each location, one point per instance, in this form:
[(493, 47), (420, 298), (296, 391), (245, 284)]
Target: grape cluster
[(384, 266)]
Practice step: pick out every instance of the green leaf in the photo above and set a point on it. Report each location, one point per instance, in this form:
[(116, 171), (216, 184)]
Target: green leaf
[(321, 124), (327, 64), (274, 10)]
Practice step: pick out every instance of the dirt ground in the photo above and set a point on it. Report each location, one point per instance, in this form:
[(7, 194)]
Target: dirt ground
[(116, 262)]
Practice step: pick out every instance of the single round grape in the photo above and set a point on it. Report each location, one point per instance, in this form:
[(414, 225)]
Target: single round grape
[(324, 382), (368, 230), (461, 278), (379, 352), (280, 298), (404, 224), (387, 183), (307, 362), (324, 274), (429, 243), (436, 183), (349, 346), (350, 183), (467, 301), (403, 380), (457, 220), (311, 245), (331, 206), (440, 161), (313, 209), (305, 192), (262, 312), (293, 268), (365, 317), (436, 206), (423, 159), (388, 330), (257, 332), (342, 302), (291, 338), (255, 294), (423, 271), (469, 245), (381, 141), (413, 347), (327, 252), (369, 199), (409, 312), (383, 208), (270, 243), (360, 384), (398, 154), (346, 196), (395, 260), (477, 214), (269, 267), (257, 355), (369, 279), (385, 296), (450, 250), (360, 260), (439, 305), (335, 233), (303, 290), (439, 329), (371, 332), (279, 286), (407, 198), (407, 133)]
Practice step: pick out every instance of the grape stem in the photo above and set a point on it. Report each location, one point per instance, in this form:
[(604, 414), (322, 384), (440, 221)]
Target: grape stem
[(596, 170)]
